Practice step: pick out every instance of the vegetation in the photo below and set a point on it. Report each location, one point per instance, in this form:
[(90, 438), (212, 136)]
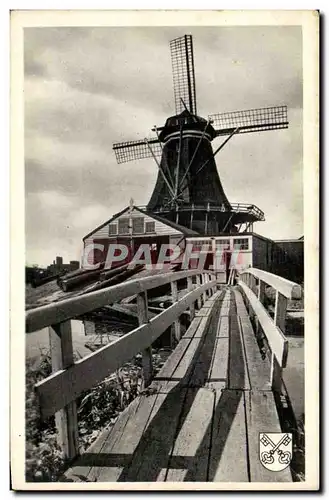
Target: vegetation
[(97, 408)]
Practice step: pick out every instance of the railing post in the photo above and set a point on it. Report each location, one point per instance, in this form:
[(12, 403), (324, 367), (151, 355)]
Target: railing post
[(203, 281), (142, 313), (261, 291), (279, 321), (176, 324), (66, 420), (210, 289), (198, 282), (280, 311), (190, 288), (214, 289)]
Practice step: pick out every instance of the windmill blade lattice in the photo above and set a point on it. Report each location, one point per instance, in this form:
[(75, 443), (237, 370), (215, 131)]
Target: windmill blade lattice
[(136, 150), (252, 120), (183, 73)]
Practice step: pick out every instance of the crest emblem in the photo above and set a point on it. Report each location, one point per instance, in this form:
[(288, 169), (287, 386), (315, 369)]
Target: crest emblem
[(275, 450)]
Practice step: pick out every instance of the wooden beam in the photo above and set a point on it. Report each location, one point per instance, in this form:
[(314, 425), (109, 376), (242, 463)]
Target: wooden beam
[(280, 322), (176, 324), (280, 311), (287, 288), (44, 316), (198, 283), (65, 386), (146, 353), (61, 348), (190, 288), (277, 341)]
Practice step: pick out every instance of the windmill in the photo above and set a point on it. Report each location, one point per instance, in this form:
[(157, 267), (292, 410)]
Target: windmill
[(188, 189)]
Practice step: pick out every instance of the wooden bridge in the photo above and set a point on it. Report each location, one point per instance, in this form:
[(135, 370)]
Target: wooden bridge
[(199, 417)]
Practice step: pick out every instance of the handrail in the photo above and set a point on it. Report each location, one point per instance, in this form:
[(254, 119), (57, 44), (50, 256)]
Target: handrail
[(60, 389), (76, 306), (286, 287), (57, 394), (273, 329), (236, 207)]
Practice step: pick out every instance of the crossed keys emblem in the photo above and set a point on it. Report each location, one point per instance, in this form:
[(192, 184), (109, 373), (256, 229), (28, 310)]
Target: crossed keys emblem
[(275, 450)]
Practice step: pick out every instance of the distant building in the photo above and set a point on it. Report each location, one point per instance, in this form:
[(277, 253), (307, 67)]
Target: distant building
[(57, 267)]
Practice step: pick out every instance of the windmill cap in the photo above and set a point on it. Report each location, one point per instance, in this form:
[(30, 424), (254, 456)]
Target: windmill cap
[(187, 120)]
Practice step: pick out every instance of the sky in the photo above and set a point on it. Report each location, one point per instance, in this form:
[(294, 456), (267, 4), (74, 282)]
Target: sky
[(86, 88)]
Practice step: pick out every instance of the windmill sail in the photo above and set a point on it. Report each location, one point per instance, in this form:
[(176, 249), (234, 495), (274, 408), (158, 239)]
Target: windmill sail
[(251, 120), (136, 150), (183, 73)]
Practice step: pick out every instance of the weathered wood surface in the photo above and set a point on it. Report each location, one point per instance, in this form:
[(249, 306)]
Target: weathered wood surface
[(286, 287), (192, 424), (59, 389), (277, 341)]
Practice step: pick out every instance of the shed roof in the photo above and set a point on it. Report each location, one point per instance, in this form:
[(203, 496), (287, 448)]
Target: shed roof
[(182, 229)]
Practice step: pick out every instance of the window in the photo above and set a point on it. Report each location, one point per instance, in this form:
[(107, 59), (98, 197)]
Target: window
[(112, 229), (199, 245), (223, 244), (150, 227), (124, 226), (241, 243), (138, 225)]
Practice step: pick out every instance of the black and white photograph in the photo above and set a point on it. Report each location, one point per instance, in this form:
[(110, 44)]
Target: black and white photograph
[(168, 299)]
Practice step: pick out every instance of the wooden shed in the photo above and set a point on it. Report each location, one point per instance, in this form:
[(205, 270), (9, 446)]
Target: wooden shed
[(133, 227)]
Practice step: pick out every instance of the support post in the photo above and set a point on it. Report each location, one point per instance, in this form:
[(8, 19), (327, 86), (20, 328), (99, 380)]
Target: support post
[(210, 289), (142, 313), (203, 281), (214, 279), (280, 311), (189, 289), (176, 324), (198, 282), (261, 291), (279, 321), (66, 420)]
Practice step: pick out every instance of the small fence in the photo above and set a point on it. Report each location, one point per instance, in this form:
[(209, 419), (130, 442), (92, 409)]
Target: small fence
[(57, 394), (253, 284)]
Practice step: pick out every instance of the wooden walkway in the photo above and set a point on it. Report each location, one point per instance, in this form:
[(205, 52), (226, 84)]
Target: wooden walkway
[(201, 417)]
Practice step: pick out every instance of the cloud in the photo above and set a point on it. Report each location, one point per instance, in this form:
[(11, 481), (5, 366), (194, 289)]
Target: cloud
[(87, 88)]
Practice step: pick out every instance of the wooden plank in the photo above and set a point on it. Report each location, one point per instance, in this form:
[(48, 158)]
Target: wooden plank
[(161, 379), (238, 371), (152, 457), (261, 417), (190, 454), (149, 459), (258, 369), (65, 386), (223, 327), (192, 329), (277, 341), (218, 373), (66, 420), (228, 454), (186, 364), (288, 288), (88, 465), (118, 454), (196, 330)]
